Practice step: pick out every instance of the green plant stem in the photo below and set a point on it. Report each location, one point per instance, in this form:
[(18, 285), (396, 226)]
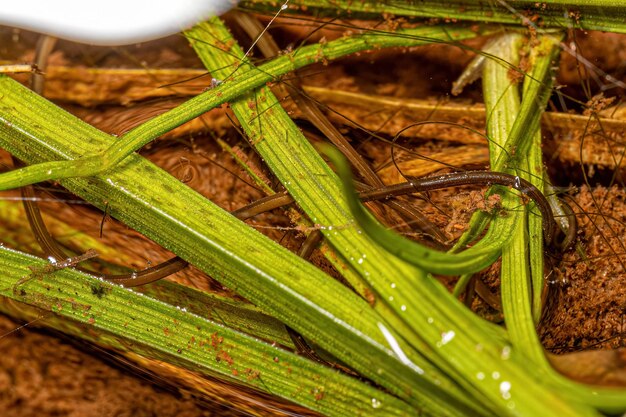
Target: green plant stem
[(243, 165), (604, 15), (534, 168), (518, 136), (119, 318), (502, 103), (237, 315), (522, 276)]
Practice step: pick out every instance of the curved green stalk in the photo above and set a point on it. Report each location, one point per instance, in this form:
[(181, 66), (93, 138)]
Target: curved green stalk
[(534, 168), (522, 278), (502, 103), (474, 259)]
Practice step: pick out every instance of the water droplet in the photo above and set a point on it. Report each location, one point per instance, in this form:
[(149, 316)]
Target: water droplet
[(376, 403), (284, 7), (480, 376), (393, 285), (495, 375), (517, 183), (360, 261), (391, 298), (505, 388), (49, 172), (403, 307), (506, 352), (446, 337), (430, 320)]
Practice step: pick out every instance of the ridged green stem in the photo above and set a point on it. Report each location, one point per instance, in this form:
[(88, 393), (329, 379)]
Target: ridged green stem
[(604, 15)]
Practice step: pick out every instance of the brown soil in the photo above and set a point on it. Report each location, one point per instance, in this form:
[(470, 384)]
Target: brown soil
[(42, 374), (589, 307)]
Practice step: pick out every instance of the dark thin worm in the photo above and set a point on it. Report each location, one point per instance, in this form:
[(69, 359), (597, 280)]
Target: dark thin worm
[(51, 248), (438, 182), (487, 295), (262, 205), (309, 245), (282, 198), (412, 215), (473, 178), (303, 347)]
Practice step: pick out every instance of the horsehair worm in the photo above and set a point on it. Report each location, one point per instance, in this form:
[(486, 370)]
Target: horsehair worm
[(477, 177), (113, 22)]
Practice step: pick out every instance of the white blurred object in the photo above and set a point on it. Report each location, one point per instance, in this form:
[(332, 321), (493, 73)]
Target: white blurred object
[(109, 22)]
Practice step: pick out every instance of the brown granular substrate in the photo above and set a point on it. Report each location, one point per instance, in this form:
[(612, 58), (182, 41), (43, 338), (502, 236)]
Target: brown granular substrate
[(42, 375), (588, 297)]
